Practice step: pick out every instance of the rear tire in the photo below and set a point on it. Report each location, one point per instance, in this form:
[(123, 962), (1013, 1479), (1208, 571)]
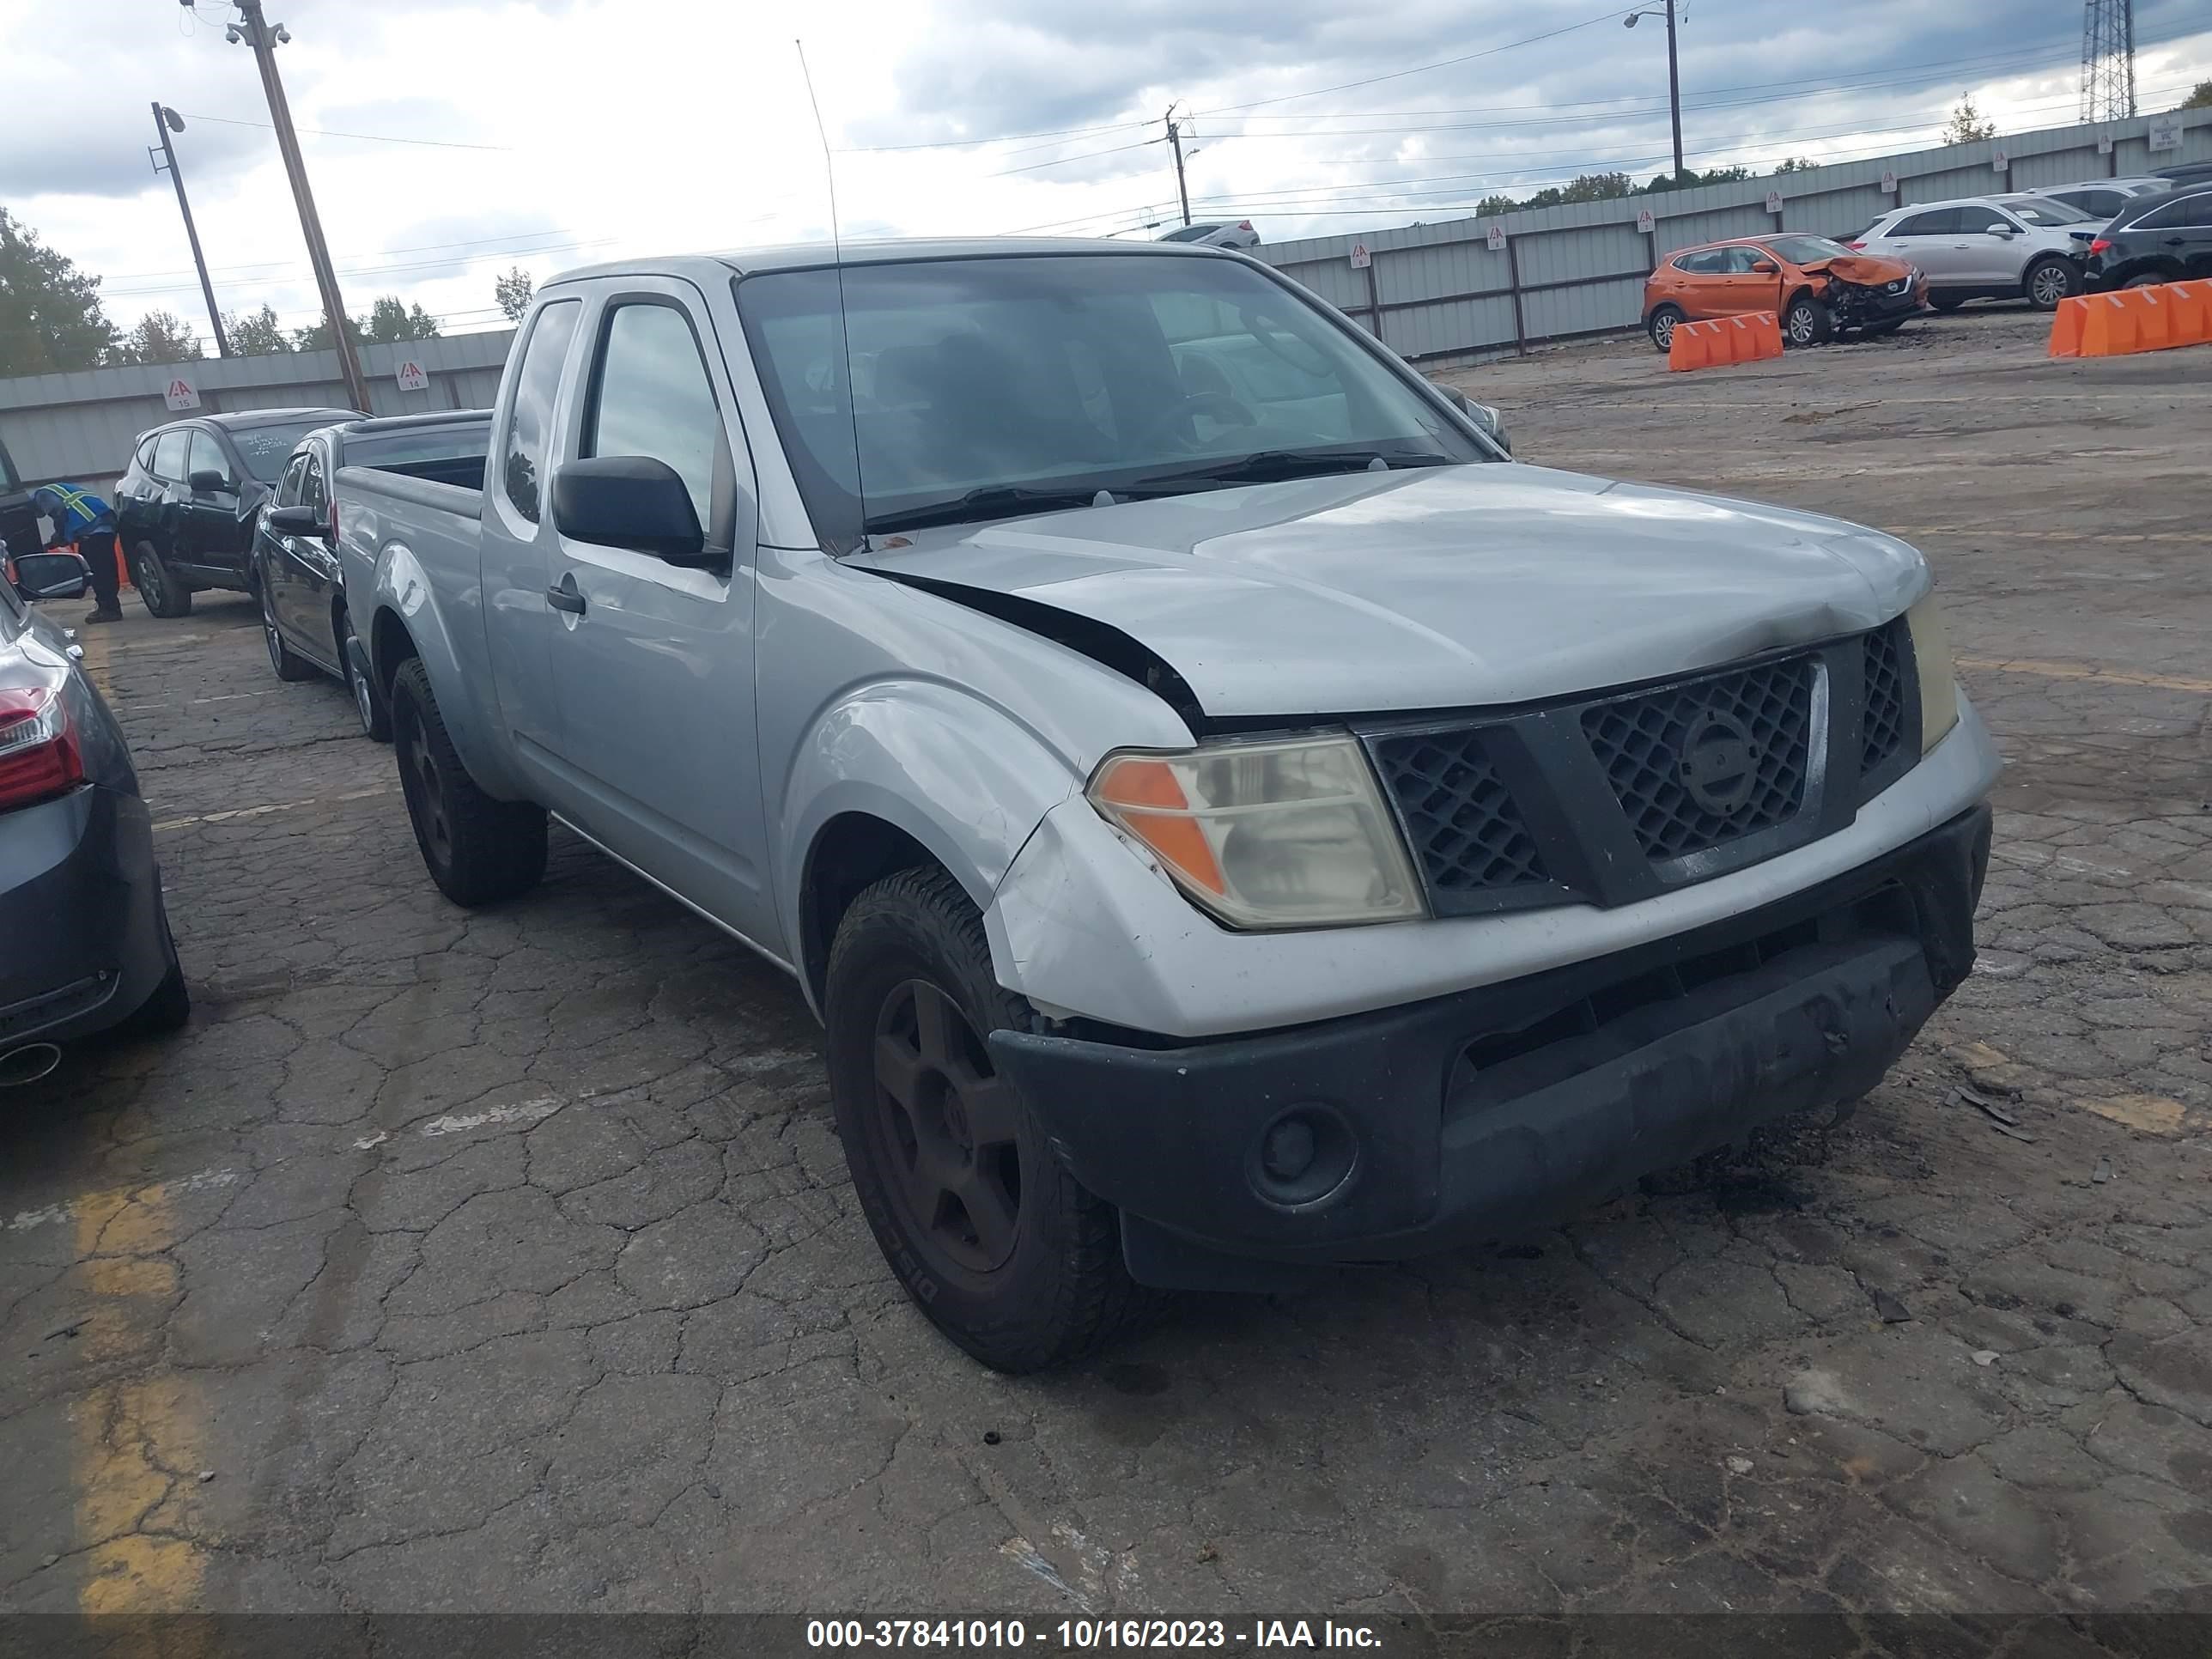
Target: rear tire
[(288, 664), (997, 1244), (1805, 323), (164, 595), (1660, 324), (369, 704), (2048, 281), (477, 849)]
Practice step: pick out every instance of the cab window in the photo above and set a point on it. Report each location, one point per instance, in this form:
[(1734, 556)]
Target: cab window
[(651, 396), (530, 421)]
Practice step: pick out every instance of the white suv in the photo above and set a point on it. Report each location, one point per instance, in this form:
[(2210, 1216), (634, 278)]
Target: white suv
[(1998, 247)]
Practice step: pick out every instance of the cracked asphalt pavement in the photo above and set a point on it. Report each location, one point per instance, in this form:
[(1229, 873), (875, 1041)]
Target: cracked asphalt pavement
[(507, 1261)]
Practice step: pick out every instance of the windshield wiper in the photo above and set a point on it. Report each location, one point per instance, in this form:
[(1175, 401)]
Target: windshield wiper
[(1274, 465), (990, 502)]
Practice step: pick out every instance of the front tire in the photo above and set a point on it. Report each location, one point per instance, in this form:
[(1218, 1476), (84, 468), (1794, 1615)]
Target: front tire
[(1660, 325), (477, 849), (2048, 281), (165, 596), (1805, 322), (1946, 302), (997, 1244)]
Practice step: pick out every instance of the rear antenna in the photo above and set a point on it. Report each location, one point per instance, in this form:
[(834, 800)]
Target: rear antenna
[(829, 540)]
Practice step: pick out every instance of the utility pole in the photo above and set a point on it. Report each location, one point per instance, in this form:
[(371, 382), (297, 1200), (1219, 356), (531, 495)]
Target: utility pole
[(254, 29), (1175, 143), (1674, 90), (165, 122), (2108, 59), (1673, 77)]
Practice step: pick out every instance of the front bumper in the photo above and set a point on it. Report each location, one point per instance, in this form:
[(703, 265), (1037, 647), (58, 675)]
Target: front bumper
[(81, 908), (1499, 1109)]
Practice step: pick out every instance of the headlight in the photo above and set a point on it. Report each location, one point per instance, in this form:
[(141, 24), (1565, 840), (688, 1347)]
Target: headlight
[(1931, 657), (1266, 834)]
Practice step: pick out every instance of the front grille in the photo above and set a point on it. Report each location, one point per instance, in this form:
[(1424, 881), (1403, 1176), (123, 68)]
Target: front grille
[(1883, 699), (1697, 765), (1460, 819)]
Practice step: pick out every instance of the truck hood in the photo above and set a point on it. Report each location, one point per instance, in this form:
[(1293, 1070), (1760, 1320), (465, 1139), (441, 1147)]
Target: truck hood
[(1450, 587)]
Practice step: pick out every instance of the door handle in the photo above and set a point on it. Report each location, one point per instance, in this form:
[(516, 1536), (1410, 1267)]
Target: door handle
[(2173, 241), (565, 597)]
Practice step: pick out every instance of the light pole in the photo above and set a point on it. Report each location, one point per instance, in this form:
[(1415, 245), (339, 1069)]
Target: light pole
[(166, 121), (1673, 74)]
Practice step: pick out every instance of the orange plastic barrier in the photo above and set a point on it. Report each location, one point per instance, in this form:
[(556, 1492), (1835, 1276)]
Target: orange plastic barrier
[(1747, 338), (2131, 319), (2066, 326)]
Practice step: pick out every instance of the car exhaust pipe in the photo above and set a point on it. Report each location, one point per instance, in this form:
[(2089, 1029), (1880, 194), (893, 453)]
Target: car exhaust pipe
[(27, 1064)]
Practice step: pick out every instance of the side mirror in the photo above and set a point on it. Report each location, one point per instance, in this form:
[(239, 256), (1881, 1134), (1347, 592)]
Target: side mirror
[(208, 481), (51, 576), (1764, 268), (633, 501), (295, 522), (1998, 230), (1483, 415)]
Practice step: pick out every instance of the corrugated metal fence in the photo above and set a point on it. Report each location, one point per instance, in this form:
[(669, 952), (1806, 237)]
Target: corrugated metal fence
[(1475, 288), (1434, 293), (81, 426)]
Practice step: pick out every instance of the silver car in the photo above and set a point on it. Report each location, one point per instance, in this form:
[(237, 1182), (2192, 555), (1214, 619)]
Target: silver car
[(1992, 247), (1215, 233), (2104, 198)]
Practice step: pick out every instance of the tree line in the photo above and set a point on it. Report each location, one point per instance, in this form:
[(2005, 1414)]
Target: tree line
[(52, 320)]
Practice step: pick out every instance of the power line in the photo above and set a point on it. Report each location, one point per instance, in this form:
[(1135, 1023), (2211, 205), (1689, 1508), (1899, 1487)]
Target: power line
[(1420, 69), (371, 137), (997, 138)]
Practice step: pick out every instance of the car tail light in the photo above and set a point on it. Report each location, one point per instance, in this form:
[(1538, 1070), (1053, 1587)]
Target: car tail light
[(1243, 224), (1855, 247), (2100, 245), (39, 754)]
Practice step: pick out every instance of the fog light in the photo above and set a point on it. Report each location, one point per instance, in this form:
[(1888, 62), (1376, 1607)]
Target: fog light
[(1288, 1150), (1305, 1158)]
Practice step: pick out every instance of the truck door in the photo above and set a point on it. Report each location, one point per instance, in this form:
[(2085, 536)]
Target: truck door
[(653, 663), (211, 537), (520, 627)]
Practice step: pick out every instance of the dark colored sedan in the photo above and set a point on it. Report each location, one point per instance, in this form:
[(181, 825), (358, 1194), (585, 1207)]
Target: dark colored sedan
[(2159, 239), (295, 566), (185, 509), (87, 945)]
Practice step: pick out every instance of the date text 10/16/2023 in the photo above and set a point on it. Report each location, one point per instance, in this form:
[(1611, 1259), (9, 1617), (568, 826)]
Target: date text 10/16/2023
[(1090, 1635)]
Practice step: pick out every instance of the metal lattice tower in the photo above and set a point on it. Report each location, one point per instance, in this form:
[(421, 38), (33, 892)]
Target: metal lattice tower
[(2108, 59)]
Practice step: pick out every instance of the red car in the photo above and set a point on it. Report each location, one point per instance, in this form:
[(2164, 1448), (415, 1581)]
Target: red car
[(1817, 289)]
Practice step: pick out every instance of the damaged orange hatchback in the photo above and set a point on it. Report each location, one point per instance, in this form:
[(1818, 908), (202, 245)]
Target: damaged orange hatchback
[(1819, 289)]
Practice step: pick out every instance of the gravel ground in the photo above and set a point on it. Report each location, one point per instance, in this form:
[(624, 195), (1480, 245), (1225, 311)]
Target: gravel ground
[(507, 1261)]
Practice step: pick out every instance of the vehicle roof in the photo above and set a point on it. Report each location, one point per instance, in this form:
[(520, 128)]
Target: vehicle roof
[(411, 422), (803, 256), (1988, 198), (231, 420), (2125, 183)]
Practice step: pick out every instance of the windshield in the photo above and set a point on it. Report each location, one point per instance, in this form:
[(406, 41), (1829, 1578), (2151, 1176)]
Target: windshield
[(264, 449), (984, 385), (2044, 211), (1807, 250)]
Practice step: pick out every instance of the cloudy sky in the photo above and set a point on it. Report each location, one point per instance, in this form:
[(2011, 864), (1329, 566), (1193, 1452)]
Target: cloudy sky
[(551, 134)]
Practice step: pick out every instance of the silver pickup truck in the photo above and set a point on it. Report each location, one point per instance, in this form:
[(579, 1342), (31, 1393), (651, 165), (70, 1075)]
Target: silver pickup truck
[(1228, 815)]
